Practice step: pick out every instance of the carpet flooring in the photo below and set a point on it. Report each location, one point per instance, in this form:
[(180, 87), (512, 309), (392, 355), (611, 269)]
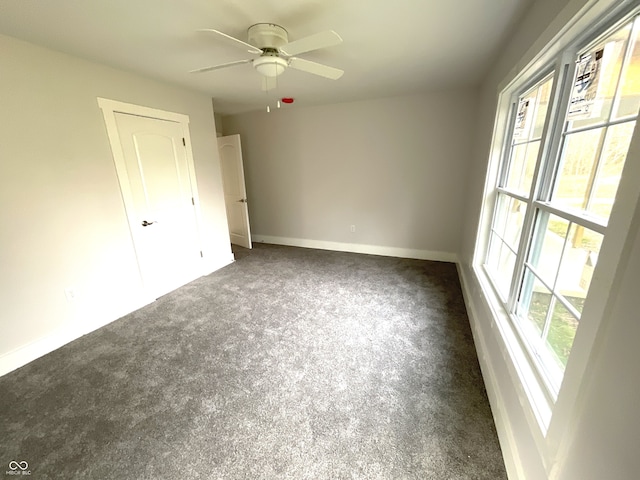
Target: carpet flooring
[(288, 364)]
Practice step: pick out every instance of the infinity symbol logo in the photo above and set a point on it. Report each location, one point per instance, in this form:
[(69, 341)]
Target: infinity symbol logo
[(13, 465)]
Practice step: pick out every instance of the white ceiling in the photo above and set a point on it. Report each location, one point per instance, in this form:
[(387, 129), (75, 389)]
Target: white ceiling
[(391, 47)]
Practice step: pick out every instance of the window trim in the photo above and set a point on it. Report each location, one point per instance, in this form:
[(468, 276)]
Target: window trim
[(591, 22)]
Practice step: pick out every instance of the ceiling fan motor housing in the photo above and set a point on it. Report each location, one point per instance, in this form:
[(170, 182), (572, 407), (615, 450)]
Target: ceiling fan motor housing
[(267, 35)]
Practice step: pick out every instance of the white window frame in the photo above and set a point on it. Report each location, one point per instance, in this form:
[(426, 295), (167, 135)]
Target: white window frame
[(558, 57)]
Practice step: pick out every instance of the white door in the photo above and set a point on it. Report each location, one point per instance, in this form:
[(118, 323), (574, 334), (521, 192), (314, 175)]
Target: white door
[(235, 193), (161, 206)]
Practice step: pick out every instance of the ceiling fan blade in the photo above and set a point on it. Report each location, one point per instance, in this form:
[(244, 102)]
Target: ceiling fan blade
[(312, 42), (234, 41), (315, 68), (269, 83), (222, 65)]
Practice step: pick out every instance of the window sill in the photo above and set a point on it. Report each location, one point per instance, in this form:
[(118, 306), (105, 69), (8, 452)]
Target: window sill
[(531, 391)]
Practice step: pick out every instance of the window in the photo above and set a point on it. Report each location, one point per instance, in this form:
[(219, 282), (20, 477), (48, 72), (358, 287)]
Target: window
[(514, 187), (566, 144)]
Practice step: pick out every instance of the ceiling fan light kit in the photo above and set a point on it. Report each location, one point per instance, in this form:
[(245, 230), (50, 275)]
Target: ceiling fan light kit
[(270, 66), (276, 53)]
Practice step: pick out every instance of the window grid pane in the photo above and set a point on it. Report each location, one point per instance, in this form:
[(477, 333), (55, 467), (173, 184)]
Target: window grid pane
[(506, 232), (509, 217), (534, 302), (561, 330), (576, 172), (578, 262), (501, 262), (547, 246), (605, 184), (628, 97), (597, 80), (525, 142)]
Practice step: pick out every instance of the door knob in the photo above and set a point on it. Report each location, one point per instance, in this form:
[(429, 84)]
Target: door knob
[(146, 224), (243, 200)]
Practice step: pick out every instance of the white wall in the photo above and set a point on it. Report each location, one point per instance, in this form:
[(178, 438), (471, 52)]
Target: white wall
[(219, 127), (62, 218), (594, 426), (396, 168)]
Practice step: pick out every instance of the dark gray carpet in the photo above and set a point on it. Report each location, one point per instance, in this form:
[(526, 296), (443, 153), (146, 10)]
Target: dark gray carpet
[(290, 363)]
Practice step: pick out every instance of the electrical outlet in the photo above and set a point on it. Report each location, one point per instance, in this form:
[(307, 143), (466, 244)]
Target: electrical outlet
[(353, 229), (71, 294)]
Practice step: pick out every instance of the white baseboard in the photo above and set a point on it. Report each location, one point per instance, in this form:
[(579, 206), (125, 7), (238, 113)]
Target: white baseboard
[(510, 455), (27, 353), (31, 351), (358, 248)]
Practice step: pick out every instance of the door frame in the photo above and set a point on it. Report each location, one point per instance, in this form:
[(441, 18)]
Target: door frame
[(109, 109)]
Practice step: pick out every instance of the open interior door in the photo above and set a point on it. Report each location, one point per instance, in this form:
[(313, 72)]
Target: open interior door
[(235, 193)]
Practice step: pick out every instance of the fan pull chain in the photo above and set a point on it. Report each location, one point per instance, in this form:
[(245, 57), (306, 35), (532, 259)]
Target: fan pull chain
[(266, 93)]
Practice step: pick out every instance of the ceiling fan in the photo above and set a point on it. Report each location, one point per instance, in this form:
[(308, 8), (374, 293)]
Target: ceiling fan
[(275, 53)]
